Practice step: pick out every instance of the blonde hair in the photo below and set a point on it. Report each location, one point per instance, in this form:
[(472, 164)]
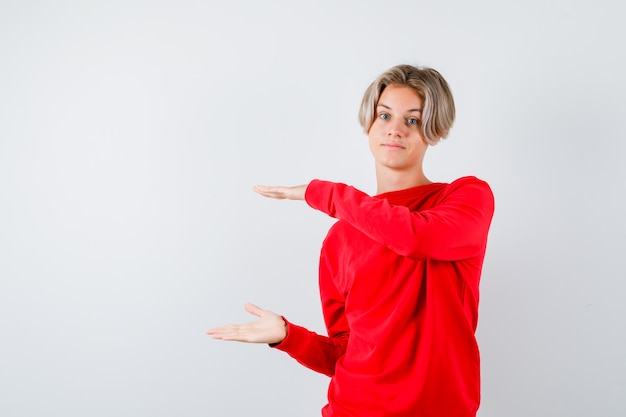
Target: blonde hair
[(438, 112)]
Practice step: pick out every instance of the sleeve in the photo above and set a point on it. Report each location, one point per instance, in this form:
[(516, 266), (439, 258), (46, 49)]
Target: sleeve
[(316, 352), (454, 229)]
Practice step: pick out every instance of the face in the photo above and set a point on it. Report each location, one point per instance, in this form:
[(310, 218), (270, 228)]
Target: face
[(395, 138)]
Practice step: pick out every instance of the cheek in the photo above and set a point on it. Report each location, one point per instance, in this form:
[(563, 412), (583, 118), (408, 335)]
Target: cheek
[(417, 134)]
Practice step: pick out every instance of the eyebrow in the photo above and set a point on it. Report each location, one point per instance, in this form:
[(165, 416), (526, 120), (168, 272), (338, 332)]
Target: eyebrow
[(389, 108)]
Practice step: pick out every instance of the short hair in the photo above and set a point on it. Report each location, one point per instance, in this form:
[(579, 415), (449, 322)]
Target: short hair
[(438, 112)]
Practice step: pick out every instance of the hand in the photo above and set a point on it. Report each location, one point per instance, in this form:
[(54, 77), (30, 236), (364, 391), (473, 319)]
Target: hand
[(281, 193), (269, 328)]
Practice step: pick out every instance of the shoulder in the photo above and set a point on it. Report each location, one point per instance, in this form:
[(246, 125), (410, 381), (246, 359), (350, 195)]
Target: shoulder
[(469, 182), (470, 187)]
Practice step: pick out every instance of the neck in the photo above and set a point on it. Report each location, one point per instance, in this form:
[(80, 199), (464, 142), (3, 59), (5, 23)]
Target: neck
[(388, 180)]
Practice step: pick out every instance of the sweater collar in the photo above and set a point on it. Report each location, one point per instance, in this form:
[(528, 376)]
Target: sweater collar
[(400, 196)]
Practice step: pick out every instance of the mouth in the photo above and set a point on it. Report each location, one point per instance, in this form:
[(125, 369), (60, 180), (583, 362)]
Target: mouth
[(392, 146)]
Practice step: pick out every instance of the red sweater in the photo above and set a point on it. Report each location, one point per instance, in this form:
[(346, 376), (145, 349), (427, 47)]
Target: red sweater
[(398, 278)]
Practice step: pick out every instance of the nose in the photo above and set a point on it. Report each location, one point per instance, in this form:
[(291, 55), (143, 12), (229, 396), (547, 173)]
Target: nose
[(396, 128)]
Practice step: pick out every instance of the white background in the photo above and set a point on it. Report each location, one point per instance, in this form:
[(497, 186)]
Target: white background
[(131, 133)]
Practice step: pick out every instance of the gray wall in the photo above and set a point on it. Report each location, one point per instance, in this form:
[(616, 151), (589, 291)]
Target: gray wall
[(131, 133)]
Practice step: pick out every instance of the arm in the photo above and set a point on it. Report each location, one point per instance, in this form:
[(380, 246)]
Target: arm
[(316, 352), (455, 229)]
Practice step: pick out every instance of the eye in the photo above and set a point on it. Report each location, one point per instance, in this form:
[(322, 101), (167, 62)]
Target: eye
[(384, 116), (413, 121)]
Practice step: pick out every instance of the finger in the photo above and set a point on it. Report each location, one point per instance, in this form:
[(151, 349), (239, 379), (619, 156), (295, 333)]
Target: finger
[(234, 332), (217, 331), (224, 330), (262, 189), (253, 309)]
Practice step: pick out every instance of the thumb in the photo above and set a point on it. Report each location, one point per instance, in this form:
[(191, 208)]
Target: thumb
[(252, 309)]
